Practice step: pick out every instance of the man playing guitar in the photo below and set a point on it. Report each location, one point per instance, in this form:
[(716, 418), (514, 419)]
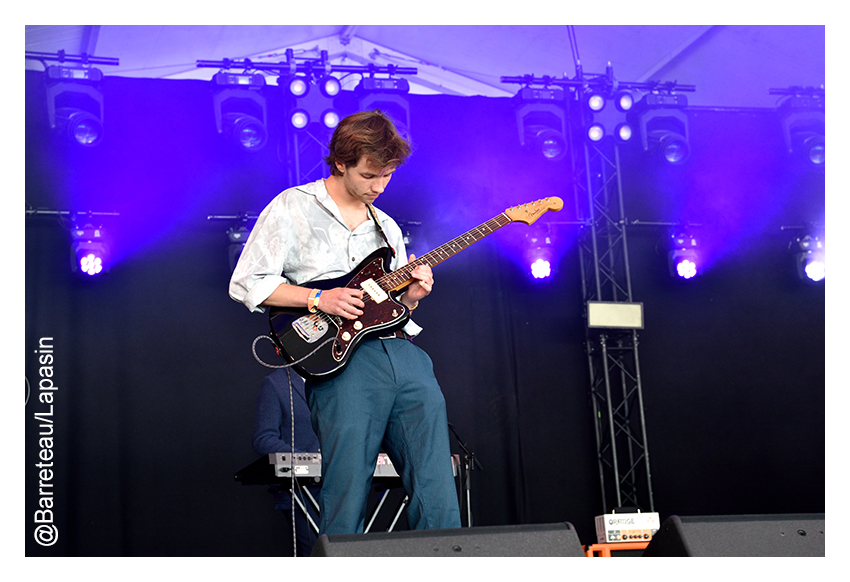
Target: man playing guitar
[(386, 396)]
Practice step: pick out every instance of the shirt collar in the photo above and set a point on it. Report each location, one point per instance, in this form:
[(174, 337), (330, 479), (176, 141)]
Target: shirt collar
[(323, 197)]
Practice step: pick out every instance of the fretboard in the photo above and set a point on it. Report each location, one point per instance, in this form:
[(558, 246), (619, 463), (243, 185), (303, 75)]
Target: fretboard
[(401, 277)]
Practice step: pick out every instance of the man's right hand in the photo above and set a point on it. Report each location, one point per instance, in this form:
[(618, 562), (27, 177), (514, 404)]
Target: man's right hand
[(342, 301)]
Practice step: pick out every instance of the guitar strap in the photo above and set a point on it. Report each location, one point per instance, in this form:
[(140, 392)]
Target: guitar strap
[(380, 230)]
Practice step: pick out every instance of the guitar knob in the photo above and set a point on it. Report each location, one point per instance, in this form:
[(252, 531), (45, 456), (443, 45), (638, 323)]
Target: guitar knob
[(346, 336), (358, 325)]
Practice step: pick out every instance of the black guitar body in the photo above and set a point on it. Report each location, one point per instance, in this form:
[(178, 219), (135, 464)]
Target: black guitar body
[(297, 332)]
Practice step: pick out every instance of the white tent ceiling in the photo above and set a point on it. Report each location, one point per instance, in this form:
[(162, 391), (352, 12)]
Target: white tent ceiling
[(730, 66)]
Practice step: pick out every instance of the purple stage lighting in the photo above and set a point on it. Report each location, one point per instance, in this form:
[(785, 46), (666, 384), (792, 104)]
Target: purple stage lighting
[(686, 268), (683, 257), (330, 86), (299, 119), (595, 102), (815, 269), (330, 118), (595, 132), (541, 268), (91, 263), (624, 132), (247, 132), (810, 254), (539, 254), (82, 127), (89, 250), (624, 100), (298, 86)]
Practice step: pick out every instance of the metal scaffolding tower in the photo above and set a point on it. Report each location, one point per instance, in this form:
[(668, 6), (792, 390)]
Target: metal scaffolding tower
[(612, 352), (305, 152)]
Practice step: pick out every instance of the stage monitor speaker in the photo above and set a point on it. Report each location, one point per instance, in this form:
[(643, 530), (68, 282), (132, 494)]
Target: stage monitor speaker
[(557, 539), (792, 535)]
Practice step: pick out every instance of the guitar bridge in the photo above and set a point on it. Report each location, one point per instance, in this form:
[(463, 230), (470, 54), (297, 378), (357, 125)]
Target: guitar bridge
[(374, 290), (311, 327)]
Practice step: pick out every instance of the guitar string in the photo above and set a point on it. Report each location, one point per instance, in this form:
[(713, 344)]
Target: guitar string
[(392, 279)]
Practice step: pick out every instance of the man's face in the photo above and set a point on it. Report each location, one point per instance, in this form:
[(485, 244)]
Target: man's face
[(366, 180)]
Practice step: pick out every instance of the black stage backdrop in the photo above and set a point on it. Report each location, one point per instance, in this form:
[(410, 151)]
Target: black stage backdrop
[(156, 383)]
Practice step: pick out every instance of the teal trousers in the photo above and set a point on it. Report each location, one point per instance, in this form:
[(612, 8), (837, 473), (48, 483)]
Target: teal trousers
[(387, 397)]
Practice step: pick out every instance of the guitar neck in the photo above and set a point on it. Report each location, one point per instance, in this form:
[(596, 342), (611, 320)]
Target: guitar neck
[(401, 278)]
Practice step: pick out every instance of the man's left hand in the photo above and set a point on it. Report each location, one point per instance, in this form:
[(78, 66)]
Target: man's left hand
[(421, 286)]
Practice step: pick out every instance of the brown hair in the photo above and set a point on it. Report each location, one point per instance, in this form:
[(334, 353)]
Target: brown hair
[(367, 133)]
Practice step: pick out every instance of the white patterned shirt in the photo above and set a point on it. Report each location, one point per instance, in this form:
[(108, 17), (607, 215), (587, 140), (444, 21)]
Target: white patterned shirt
[(301, 237)]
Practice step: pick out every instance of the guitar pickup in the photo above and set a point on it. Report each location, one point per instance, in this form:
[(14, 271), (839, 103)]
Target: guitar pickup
[(374, 290)]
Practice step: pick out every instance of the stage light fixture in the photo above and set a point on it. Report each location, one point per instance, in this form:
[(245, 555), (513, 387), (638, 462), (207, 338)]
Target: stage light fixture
[(75, 104), (623, 132), (299, 119), (546, 141), (683, 259), (540, 253), (81, 127), (541, 121), (595, 133), (308, 107), (595, 102), (673, 148), (330, 86), (810, 257), (382, 85), (247, 80), (804, 127), (298, 86), (240, 109), (541, 268), (664, 126), (248, 132), (601, 121), (236, 236), (388, 95), (90, 251), (624, 101), (330, 118)]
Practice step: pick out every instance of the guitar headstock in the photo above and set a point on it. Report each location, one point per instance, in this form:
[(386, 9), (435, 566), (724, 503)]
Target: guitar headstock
[(531, 211)]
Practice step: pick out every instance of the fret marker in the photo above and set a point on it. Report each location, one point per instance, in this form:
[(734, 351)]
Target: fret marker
[(374, 291)]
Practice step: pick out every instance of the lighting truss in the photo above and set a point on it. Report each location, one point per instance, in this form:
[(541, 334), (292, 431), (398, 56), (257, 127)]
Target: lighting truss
[(612, 347), (612, 352)]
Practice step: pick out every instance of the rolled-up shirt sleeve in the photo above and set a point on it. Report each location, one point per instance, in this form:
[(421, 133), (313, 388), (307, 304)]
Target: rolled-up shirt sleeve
[(259, 269)]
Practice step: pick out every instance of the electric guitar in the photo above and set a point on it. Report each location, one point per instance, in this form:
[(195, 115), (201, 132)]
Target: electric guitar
[(319, 345)]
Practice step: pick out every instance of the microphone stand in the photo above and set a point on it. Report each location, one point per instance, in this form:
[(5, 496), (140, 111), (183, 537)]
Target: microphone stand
[(470, 462)]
